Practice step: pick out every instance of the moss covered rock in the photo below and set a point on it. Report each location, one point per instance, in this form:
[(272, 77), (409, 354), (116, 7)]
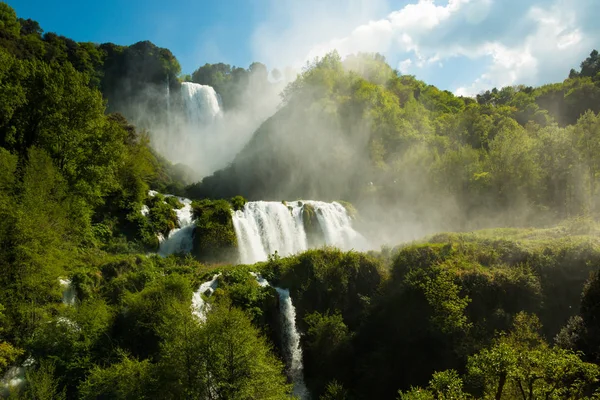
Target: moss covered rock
[(174, 202), (214, 237), (314, 232), (352, 213), (161, 215)]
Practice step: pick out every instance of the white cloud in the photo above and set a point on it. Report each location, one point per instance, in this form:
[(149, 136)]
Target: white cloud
[(404, 66), (518, 41)]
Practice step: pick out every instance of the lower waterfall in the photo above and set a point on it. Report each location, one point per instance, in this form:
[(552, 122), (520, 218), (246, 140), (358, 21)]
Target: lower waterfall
[(199, 306), (291, 339), (68, 295), (179, 240), (265, 227)]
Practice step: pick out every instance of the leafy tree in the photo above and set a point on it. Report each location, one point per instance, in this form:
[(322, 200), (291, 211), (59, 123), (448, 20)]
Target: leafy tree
[(9, 23), (444, 385), (225, 356), (42, 384), (522, 365), (127, 379)]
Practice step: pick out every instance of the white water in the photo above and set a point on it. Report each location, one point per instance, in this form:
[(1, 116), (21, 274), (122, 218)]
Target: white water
[(180, 240), (201, 103), (68, 295), (13, 379), (291, 339), (262, 228), (199, 306)]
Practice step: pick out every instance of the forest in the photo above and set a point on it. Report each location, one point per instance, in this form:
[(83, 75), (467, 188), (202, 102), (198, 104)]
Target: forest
[(483, 281)]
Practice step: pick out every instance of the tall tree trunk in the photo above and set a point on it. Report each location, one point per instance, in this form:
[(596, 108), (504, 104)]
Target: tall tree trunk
[(500, 386)]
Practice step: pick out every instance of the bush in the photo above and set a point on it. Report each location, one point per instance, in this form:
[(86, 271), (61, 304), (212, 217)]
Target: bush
[(173, 202), (214, 237), (238, 203)]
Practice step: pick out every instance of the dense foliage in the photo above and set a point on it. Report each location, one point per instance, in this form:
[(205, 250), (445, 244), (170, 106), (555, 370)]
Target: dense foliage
[(214, 237), (91, 312)]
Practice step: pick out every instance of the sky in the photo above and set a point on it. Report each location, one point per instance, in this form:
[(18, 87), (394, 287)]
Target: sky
[(465, 46)]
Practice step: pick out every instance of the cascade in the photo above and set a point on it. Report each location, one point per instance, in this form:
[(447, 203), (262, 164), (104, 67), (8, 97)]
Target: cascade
[(180, 240), (199, 306), (263, 227), (291, 339), (168, 105), (68, 295), (201, 104), (14, 378)]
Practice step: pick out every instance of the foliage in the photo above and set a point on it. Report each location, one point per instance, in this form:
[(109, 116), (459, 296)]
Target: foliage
[(523, 365), (214, 237), (162, 215), (225, 356), (237, 203), (127, 379), (42, 384), (443, 385)]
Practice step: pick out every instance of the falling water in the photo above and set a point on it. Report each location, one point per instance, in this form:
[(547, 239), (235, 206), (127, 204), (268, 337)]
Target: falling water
[(13, 379), (337, 225), (201, 103), (290, 339), (68, 294), (263, 228), (168, 105), (180, 240), (199, 306)]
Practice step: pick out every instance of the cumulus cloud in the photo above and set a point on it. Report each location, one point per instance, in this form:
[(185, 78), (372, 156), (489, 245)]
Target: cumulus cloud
[(514, 41)]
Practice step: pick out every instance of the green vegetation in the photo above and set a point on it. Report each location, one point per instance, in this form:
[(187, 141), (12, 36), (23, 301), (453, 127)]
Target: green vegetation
[(314, 233), (214, 237), (497, 313), (237, 203)]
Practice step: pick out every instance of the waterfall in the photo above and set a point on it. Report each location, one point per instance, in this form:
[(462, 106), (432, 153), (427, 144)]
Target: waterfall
[(13, 379), (199, 306), (263, 228), (201, 103), (292, 343), (68, 295), (291, 339), (168, 104), (337, 225), (180, 240)]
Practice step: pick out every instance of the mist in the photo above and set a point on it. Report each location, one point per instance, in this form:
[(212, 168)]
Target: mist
[(195, 129)]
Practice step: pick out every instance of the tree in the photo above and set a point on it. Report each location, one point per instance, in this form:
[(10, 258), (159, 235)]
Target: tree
[(224, 357), (42, 384), (591, 65), (587, 136), (522, 365), (446, 385), (128, 379), (8, 20)]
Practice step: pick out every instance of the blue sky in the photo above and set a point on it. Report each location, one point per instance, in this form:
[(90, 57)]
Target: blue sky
[(465, 46), (195, 31)]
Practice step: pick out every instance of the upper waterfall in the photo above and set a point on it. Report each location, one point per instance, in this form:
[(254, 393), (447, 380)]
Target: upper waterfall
[(265, 227), (201, 103)]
